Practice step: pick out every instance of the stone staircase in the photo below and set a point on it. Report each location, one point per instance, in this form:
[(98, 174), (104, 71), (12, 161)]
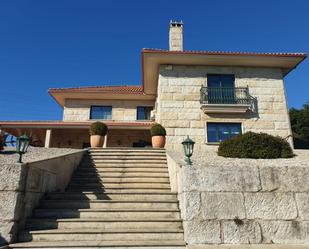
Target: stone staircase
[(117, 198)]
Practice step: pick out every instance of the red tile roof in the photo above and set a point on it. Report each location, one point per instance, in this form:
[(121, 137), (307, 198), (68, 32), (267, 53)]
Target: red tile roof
[(125, 89), (102, 89), (202, 52)]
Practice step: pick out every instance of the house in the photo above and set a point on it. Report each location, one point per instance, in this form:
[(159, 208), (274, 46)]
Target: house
[(210, 96)]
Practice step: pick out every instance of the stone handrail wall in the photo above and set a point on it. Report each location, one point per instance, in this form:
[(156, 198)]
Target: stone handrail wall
[(23, 185), (242, 201)]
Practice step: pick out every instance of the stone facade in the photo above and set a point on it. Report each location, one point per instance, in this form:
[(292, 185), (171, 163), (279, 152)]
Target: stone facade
[(178, 102), (122, 110), (242, 201)]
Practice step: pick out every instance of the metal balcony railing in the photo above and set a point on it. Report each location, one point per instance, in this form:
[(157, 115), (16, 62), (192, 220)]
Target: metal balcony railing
[(225, 95)]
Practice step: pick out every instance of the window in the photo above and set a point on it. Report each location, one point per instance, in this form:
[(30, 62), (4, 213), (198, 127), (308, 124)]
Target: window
[(221, 88), (217, 132), (143, 112), (101, 112)]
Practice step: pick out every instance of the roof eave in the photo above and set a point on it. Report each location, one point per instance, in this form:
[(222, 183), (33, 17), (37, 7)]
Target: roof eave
[(60, 96), (58, 102), (68, 124), (153, 58)]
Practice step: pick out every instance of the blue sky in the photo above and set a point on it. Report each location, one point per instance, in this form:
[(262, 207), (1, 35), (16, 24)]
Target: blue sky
[(65, 43)]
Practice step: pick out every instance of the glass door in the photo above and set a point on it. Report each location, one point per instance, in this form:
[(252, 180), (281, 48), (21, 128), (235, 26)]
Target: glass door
[(221, 88)]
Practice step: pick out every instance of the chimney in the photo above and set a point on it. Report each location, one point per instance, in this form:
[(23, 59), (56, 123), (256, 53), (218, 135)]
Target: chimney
[(176, 37)]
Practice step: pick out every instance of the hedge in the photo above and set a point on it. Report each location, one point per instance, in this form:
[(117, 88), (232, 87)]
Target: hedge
[(255, 145)]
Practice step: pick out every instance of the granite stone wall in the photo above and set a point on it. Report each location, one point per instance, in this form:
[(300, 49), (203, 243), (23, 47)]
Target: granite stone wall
[(242, 201), (178, 102), (123, 110), (23, 185)]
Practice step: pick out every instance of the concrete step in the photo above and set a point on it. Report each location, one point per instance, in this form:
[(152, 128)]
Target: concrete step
[(103, 180), (121, 190), (126, 150), (132, 161), (95, 223), (108, 213), (122, 169), (118, 185), (118, 198), (112, 196), (127, 157), (106, 204), (121, 174), (124, 166), (102, 235), (128, 154), (129, 244)]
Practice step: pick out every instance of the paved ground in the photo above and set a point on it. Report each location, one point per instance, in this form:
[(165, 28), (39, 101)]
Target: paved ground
[(249, 247), (9, 155)]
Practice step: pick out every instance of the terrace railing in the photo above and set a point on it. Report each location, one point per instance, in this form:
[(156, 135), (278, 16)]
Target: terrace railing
[(225, 95)]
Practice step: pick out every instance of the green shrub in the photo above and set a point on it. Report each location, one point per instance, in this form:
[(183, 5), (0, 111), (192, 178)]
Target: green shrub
[(98, 128), (157, 130), (255, 145)]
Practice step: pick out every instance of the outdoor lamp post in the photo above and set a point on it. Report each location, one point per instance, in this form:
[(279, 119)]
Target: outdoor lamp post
[(22, 144), (188, 145)]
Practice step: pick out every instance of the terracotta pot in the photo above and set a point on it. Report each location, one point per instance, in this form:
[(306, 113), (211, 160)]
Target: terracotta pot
[(96, 141), (158, 141)]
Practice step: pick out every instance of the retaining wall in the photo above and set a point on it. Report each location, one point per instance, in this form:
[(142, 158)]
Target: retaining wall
[(23, 185), (242, 201)]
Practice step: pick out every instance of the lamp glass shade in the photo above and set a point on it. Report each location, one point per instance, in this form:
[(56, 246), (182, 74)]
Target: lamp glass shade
[(22, 144), (188, 145)]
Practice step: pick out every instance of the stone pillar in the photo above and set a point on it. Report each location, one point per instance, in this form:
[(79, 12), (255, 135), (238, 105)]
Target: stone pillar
[(105, 141), (176, 36), (48, 138)]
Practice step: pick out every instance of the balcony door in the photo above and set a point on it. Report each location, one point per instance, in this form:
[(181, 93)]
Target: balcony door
[(221, 88)]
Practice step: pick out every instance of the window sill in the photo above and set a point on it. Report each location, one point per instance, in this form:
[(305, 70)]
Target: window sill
[(212, 143), (100, 119)]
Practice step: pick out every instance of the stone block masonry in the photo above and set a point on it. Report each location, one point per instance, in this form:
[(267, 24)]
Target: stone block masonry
[(122, 110), (23, 185), (242, 201), (178, 102)]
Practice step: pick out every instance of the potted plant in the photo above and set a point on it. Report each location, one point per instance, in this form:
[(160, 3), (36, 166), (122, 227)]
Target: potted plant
[(97, 132), (158, 134)]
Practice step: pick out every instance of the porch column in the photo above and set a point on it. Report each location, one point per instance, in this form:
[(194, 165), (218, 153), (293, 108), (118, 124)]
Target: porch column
[(105, 141), (48, 138)]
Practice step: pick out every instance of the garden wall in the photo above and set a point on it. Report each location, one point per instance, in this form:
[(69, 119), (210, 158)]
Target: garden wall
[(242, 201), (23, 185)]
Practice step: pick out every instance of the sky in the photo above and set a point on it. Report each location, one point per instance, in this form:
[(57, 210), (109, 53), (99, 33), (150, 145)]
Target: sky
[(70, 43)]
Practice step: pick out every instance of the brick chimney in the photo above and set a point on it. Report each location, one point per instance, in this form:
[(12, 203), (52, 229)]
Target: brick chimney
[(176, 36)]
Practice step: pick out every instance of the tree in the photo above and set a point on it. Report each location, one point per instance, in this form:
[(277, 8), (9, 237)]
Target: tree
[(300, 126)]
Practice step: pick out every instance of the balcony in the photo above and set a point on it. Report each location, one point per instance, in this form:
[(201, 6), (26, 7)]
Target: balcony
[(225, 99)]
